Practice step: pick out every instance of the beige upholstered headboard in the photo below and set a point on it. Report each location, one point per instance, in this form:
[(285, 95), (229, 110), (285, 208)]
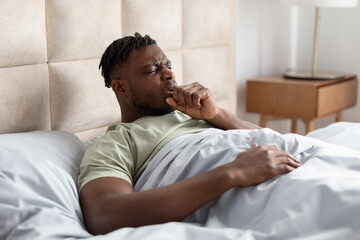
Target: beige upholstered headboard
[(50, 51)]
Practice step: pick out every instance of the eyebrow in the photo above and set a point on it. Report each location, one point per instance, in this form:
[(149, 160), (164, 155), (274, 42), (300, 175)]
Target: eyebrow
[(154, 64)]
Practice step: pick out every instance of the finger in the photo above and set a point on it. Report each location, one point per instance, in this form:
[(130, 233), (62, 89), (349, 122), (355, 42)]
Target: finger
[(284, 153), (175, 106), (174, 96), (178, 95), (196, 100), (284, 168), (200, 96), (289, 154), (182, 92), (293, 163), (255, 144), (285, 159), (292, 157), (273, 147), (191, 96)]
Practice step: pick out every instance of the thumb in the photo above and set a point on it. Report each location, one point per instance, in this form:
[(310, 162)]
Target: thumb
[(255, 144), (174, 104)]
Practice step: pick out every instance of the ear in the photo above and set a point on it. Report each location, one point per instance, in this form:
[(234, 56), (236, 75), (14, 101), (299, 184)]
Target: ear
[(119, 86)]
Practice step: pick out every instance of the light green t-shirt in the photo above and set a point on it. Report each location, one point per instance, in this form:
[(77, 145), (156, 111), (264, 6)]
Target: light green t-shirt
[(127, 148)]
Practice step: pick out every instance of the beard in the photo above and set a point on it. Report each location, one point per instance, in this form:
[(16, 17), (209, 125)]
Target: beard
[(149, 108)]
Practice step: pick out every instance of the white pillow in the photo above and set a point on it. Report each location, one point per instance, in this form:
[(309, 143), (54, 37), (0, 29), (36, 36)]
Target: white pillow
[(38, 182)]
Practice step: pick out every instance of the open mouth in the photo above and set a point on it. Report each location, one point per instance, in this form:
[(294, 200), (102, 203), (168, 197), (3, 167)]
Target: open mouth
[(169, 89), (170, 92)]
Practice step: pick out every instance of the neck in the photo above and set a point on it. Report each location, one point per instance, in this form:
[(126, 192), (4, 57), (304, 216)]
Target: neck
[(129, 115), (128, 118)]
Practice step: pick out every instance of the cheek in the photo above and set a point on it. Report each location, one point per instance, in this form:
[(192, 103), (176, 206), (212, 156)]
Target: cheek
[(148, 84), (147, 97), (148, 91)]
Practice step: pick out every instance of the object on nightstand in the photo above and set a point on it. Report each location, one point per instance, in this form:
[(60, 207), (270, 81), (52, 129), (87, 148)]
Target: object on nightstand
[(275, 97), (314, 74)]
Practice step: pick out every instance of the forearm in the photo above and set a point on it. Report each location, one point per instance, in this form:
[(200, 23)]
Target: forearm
[(196, 101), (225, 120), (170, 203)]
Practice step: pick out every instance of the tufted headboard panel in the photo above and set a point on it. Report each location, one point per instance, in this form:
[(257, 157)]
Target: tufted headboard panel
[(50, 52)]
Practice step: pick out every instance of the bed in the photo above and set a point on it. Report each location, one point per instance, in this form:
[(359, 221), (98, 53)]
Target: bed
[(54, 104)]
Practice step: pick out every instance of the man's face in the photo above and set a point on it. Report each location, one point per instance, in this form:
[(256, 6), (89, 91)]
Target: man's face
[(150, 80)]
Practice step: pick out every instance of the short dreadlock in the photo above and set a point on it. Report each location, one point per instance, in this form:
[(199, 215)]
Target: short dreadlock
[(115, 56)]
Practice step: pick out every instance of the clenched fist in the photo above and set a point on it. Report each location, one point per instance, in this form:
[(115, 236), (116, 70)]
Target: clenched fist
[(194, 100)]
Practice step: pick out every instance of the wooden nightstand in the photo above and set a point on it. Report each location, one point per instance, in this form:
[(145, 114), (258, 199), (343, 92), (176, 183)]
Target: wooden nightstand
[(275, 97)]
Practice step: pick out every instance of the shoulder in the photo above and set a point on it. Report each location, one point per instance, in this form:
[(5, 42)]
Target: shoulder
[(116, 137)]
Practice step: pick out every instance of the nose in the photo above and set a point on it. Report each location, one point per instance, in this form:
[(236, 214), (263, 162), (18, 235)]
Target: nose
[(167, 74)]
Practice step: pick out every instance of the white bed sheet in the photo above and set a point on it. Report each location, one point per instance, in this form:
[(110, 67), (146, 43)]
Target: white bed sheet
[(346, 134)]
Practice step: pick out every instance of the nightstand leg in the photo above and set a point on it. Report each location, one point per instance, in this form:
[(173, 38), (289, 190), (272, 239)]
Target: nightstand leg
[(309, 126), (293, 125), (263, 120), (339, 117)]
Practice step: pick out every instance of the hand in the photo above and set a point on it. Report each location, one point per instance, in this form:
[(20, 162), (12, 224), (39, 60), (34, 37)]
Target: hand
[(194, 100), (262, 163)]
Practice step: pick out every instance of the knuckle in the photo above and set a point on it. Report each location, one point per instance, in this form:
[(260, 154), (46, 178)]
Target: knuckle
[(270, 165), (266, 153), (274, 147), (180, 90), (196, 95), (187, 94)]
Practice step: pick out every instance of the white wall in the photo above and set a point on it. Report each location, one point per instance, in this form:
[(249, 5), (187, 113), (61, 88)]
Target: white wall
[(272, 37)]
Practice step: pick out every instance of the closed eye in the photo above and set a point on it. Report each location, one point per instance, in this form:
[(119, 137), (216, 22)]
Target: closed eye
[(155, 67), (150, 72), (168, 64)]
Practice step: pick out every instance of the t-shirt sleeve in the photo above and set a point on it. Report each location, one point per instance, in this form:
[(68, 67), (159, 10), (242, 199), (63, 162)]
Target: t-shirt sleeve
[(113, 155)]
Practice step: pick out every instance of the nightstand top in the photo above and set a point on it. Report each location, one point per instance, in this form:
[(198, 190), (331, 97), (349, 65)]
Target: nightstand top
[(315, 83)]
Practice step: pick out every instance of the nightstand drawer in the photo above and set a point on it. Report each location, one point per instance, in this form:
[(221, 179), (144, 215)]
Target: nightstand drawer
[(275, 97), (336, 97)]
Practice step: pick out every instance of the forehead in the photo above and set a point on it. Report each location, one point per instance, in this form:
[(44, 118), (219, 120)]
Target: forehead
[(146, 55)]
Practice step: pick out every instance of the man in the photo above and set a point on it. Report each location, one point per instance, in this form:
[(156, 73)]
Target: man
[(140, 75)]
